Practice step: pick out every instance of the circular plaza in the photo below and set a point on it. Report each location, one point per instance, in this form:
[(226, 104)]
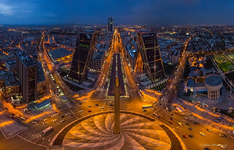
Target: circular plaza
[(137, 132)]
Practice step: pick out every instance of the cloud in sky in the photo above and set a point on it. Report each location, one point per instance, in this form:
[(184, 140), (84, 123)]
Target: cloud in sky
[(6, 9), (160, 12)]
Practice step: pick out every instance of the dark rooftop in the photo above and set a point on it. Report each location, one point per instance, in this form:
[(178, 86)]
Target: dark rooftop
[(11, 62), (58, 53), (26, 59), (40, 73), (9, 78), (98, 55), (190, 83), (213, 80), (42, 104)]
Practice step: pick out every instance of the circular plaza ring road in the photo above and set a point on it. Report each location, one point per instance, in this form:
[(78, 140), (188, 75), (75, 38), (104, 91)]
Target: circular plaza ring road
[(138, 131)]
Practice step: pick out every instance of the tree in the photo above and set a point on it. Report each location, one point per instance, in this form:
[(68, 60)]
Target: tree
[(186, 70), (200, 73)]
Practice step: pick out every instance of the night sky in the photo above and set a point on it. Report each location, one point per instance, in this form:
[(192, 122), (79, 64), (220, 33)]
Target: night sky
[(153, 12)]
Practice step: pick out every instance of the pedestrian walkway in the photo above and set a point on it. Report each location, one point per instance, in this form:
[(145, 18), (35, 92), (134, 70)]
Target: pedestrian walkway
[(9, 127)]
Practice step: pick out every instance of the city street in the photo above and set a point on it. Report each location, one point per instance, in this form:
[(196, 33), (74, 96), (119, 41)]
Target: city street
[(99, 102)]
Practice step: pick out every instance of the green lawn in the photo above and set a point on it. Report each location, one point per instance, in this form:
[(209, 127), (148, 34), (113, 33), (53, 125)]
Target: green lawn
[(226, 66), (231, 56)]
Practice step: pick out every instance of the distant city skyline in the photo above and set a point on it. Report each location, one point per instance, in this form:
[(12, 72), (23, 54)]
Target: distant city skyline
[(152, 12)]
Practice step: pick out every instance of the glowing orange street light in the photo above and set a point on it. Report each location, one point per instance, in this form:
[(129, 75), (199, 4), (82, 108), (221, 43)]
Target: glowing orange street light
[(37, 116), (6, 123)]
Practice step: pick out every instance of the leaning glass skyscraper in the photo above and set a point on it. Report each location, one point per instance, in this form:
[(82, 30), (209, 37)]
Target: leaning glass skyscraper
[(150, 53), (82, 55)]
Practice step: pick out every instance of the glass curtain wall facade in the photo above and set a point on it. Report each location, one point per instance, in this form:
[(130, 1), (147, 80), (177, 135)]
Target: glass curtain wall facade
[(82, 56), (151, 57)]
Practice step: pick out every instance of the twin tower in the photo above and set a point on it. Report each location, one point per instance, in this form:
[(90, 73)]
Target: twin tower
[(148, 56)]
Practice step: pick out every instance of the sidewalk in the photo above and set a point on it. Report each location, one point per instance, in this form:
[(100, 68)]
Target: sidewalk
[(9, 127)]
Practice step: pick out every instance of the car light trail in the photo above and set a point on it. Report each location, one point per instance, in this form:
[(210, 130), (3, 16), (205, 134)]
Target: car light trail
[(37, 116), (6, 123)]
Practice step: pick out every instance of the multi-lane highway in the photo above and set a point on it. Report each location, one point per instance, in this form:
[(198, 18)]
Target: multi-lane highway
[(170, 89)]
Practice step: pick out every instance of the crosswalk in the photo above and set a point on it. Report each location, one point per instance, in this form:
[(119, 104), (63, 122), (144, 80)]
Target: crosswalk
[(98, 95), (165, 116), (9, 127), (35, 137)]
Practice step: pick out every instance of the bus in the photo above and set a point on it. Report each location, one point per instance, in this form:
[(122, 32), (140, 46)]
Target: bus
[(147, 106), (47, 131)]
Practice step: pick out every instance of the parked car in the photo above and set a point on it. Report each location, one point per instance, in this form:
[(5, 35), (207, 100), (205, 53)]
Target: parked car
[(185, 136)]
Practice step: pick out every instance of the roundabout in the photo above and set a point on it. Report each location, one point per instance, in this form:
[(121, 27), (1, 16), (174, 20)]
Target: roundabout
[(137, 131)]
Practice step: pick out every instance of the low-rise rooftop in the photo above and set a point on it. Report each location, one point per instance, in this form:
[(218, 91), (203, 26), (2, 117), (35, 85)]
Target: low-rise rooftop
[(58, 53), (43, 104), (98, 55), (213, 80), (11, 62)]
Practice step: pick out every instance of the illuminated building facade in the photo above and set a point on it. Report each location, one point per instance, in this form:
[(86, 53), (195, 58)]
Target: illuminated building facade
[(110, 24), (150, 53), (82, 55), (214, 85), (27, 74)]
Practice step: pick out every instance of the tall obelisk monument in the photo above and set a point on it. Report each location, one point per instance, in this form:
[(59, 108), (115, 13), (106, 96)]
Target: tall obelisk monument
[(117, 104)]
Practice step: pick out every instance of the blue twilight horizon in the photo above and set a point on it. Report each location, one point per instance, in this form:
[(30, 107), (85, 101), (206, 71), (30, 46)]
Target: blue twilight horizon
[(152, 12)]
